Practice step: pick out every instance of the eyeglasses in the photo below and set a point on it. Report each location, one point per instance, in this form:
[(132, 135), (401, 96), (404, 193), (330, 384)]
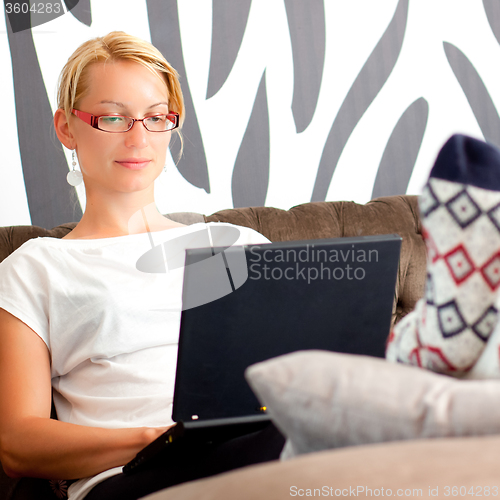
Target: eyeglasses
[(118, 123)]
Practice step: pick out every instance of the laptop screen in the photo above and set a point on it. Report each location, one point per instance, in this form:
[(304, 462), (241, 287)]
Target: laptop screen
[(242, 305)]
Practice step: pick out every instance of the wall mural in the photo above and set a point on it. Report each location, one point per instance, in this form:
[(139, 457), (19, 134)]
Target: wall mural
[(287, 101)]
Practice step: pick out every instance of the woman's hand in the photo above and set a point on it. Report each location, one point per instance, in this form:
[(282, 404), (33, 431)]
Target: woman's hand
[(152, 433)]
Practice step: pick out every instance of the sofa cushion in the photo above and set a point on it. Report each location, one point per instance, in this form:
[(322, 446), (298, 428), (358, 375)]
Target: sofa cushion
[(442, 468), (322, 400)]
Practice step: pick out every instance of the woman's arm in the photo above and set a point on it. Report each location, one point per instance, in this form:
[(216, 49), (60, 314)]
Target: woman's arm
[(31, 443)]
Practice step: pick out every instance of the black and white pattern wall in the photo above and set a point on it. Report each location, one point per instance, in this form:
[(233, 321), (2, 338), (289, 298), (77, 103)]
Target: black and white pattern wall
[(287, 100)]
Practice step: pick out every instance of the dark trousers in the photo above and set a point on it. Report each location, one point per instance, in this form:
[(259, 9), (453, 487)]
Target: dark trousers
[(192, 463)]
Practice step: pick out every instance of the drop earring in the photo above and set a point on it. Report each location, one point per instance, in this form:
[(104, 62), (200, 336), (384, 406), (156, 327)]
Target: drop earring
[(74, 177)]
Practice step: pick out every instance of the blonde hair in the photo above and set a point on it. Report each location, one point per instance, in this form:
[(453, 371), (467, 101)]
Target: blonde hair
[(115, 46)]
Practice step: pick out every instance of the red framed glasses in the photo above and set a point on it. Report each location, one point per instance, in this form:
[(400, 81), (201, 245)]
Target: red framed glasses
[(119, 123)]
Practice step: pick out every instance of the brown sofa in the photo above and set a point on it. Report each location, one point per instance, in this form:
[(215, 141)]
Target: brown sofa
[(396, 214)]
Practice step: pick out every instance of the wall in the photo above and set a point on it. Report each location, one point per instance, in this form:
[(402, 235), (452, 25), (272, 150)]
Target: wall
[(288, 101)]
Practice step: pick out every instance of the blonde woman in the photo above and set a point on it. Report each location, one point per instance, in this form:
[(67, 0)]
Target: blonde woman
[(78, 318)]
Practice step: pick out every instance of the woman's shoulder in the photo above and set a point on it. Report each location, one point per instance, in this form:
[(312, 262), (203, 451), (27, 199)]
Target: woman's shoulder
[(31, 247), (33, 252)]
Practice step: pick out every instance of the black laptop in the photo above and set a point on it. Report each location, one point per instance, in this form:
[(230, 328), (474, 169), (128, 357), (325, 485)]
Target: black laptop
[(246, 304)]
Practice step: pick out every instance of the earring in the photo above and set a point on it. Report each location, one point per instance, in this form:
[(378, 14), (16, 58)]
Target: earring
[(74, 177)]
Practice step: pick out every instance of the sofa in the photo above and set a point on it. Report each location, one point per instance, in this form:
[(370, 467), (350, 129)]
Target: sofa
[(398, 461)]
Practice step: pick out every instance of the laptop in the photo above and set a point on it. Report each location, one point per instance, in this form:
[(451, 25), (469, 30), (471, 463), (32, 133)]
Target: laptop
[(246, 304)]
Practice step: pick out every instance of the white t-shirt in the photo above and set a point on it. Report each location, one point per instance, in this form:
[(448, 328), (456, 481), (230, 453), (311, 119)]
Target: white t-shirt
[(112, 330)]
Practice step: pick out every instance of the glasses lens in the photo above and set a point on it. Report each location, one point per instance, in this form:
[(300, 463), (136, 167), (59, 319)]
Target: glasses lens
[(114, 123), (160, 123)]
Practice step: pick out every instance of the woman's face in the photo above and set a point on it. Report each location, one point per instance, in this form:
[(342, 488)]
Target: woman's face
[(129, 161)]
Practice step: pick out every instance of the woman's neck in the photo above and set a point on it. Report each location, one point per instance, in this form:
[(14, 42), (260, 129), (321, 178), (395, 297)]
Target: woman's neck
[(125, 214)]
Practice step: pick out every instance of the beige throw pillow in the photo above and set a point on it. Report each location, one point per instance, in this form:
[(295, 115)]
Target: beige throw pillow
[(322, 400)]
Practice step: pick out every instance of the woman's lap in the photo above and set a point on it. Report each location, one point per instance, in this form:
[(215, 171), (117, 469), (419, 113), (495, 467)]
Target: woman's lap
[(191, 464)]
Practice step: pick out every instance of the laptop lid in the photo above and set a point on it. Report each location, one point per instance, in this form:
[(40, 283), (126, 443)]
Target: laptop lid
[(332, 294)]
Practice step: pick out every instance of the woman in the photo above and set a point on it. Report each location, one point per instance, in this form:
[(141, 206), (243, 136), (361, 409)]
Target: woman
[(76, 315)]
